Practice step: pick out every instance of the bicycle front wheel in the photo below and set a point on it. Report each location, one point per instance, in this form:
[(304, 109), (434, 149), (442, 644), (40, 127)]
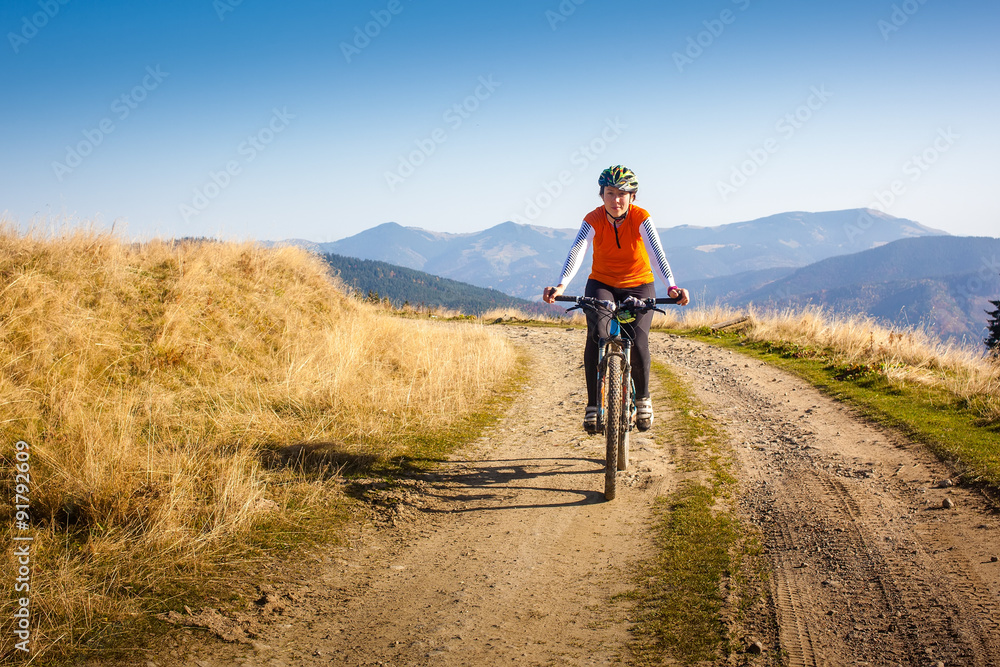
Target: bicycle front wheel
[(612, 424)]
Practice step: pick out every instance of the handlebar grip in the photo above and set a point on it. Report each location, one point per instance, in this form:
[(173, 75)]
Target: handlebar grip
[(563, 297), (664, 299)]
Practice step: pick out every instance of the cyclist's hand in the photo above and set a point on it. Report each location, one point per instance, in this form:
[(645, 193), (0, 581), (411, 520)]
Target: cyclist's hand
[(549, 294), (682, 294)]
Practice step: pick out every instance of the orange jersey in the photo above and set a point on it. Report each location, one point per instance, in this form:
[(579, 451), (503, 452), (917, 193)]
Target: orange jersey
[(623, 262), (619, 260)]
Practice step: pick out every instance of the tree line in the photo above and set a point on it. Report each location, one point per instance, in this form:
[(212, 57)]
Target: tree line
[(377, 281)]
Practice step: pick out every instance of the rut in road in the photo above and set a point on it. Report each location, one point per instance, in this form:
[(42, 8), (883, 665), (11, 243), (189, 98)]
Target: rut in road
[(866, 564), (508, 553)]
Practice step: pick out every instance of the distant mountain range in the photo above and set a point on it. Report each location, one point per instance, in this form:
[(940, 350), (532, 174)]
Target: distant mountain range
[(522, 259), (857, 260), (944, 283)]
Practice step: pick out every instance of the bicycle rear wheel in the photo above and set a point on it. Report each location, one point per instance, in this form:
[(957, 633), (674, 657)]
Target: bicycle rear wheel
[(612, 424)]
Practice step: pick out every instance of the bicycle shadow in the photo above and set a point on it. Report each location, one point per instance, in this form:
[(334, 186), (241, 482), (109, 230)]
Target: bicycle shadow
[(451, 486), (489, 484)]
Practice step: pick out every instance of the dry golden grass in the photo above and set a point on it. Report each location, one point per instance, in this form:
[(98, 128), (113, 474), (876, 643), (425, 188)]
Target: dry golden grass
[(900, 355), (148, 377), (692, 316)]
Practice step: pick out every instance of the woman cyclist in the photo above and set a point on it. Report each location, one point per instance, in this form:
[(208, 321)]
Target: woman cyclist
[(624, 240)]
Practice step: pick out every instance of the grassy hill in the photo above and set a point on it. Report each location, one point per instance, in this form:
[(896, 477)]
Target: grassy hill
[(189, 403), (403, 286)]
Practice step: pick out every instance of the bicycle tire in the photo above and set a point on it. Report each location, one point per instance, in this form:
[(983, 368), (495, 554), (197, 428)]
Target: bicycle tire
[(612, 424)]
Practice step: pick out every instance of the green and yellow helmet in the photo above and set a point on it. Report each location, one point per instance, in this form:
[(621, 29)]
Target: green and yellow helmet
[(619, 177)]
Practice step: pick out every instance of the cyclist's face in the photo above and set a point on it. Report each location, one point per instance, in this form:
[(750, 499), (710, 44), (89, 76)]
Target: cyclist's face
[(616, 201)]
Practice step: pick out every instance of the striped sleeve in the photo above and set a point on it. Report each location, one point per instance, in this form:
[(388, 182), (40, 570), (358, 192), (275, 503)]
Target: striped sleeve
[(576, 253), (655, 249)]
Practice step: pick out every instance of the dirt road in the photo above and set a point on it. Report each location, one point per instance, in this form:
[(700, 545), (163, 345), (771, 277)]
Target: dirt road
[(509, 554), (868, 567)]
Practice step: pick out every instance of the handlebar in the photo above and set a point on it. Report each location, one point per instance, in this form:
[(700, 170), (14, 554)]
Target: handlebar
[(595, 305), (646, 303)]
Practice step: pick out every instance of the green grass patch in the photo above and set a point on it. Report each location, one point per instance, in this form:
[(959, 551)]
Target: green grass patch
[(707, 571), (933, 416), (682, 596)]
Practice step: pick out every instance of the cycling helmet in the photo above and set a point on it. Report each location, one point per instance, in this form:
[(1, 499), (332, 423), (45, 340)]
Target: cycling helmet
[(619, 177)]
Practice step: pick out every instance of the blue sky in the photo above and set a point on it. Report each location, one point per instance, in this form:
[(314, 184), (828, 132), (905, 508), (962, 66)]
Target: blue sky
[(316, 120)]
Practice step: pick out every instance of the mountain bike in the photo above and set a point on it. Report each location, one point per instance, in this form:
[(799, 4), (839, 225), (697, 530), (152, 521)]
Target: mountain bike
[(616, 407)]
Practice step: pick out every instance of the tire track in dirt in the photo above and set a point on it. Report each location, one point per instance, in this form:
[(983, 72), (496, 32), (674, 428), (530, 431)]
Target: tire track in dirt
[(867, 565)]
